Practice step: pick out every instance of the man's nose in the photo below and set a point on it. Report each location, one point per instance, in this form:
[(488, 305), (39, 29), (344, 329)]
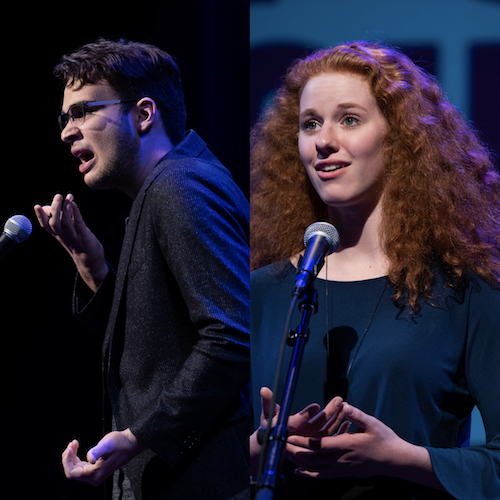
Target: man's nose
[(70, 132)]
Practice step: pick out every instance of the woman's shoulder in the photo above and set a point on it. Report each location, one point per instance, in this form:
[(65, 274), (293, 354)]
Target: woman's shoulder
[(273, 274), (472, 295)]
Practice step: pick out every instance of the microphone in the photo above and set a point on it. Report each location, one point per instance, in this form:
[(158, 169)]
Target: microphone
[(320, 239), (16, 230)]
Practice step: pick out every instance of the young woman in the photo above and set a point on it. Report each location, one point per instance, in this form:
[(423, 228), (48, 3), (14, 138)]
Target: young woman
[(407, 330)]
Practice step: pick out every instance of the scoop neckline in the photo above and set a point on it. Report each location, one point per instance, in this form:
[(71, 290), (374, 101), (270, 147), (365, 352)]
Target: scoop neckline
[(367, 280)]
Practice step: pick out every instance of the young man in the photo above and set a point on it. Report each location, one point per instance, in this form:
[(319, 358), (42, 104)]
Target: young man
[(176, 346)]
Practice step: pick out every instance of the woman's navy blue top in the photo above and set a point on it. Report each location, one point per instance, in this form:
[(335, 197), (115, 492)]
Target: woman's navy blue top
[(420, 374)]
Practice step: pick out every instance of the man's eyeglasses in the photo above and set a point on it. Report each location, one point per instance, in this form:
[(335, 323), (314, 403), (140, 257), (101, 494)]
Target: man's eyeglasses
[(77, 112)]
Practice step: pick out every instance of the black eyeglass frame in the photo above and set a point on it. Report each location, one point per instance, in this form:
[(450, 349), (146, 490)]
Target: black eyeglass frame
[(64, 118)]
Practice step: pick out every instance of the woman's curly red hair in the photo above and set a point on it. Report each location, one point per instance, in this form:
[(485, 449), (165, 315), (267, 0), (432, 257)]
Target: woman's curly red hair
[(441, 202)]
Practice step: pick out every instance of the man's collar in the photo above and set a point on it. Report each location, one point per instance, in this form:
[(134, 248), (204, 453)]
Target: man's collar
[(192, 145)]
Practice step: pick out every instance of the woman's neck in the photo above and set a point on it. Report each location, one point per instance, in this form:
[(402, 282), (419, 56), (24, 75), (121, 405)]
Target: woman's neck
[(359, 255)]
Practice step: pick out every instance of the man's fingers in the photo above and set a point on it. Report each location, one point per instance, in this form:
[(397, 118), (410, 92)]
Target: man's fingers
[(56, 206), (75, 215), (101, 448), (58, 219), (72, 448), (70, 460), (42, 214), (49, 215)]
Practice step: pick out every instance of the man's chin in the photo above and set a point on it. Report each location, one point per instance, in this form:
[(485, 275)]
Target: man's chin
[(97, 182)]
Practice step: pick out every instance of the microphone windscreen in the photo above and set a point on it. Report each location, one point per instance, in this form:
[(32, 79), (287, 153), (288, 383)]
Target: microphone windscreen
[(18, 228), (325, 229)]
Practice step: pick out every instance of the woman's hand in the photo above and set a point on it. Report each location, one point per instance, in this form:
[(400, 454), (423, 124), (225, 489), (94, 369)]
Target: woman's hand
[(373, 450), (311, 421)]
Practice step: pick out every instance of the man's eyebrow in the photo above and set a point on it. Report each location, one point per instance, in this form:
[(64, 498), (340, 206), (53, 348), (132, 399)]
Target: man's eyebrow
[(79, 103)]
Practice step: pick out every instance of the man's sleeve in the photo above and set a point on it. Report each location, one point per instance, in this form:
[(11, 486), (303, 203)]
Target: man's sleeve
[(202, 229)]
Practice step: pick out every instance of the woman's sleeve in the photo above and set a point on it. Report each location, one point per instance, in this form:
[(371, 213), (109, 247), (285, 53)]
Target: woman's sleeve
[(474, 473)]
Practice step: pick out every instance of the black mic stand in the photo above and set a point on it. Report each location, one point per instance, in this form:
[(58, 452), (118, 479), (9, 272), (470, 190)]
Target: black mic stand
[(266, 486)]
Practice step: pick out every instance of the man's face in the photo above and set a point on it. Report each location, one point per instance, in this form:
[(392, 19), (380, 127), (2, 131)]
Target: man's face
[(106, 143)]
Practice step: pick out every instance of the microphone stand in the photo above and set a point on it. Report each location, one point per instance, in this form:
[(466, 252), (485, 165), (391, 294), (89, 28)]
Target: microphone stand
[(266, 485)]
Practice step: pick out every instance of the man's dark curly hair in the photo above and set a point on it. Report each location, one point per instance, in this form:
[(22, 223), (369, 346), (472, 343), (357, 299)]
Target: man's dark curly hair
[(134, 70)]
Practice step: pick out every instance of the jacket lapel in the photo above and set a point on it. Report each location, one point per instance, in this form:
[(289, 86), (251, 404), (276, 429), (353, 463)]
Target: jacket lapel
[(192, 146), (123, 265)]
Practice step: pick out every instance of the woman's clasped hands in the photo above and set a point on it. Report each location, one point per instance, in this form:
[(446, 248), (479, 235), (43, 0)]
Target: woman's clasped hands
[(311, 422), (320, 445)]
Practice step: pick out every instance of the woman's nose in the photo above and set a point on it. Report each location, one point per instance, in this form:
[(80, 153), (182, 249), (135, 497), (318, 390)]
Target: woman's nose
[(327, 141)]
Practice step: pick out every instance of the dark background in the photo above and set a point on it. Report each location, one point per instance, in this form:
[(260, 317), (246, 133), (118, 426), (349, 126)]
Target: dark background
[(51, 373)]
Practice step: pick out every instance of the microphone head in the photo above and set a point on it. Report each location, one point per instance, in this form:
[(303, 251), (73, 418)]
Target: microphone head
[(18, 228), (326, 230)]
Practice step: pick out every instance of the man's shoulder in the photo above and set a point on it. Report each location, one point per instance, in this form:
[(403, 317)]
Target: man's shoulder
[(192, 177), (190, 172), (194, 182), (191, 159), (195, 165)]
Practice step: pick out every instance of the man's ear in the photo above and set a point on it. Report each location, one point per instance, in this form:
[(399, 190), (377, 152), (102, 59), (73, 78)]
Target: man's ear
[(146, 114)]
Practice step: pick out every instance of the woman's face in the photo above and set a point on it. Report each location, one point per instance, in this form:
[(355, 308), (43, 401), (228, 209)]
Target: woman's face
[(341, 139)]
